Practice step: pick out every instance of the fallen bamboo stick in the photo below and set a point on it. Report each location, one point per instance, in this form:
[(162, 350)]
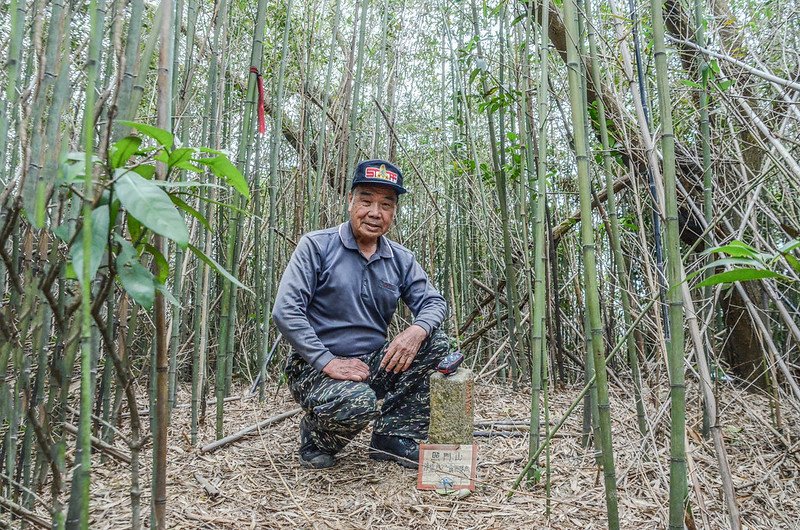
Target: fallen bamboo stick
[(23, 512), (222, 442), (101, 445)]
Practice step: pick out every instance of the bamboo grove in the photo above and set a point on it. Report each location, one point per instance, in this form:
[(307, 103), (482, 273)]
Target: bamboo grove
[(573, 165)]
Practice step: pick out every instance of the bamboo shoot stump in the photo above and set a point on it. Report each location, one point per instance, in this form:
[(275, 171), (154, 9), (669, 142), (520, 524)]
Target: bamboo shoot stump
[(452, 410)]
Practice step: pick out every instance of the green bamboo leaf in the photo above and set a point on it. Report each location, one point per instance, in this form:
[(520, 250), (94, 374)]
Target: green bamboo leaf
[(740, 275), (177, 201), (208, 260), (151, 206), (725, 262), (789, 246), (794, 262), (736, 249), (123, 150), (165, 138), (222, 167), (218, 203), (100, 222), (474, 74)]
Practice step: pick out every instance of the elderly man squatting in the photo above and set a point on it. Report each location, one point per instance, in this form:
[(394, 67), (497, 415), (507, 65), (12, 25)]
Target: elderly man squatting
[(334, 305)]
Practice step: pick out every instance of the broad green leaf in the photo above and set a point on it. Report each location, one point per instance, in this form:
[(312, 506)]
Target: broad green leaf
[(161, 263), (180, 155), (127, 251), (72, 167), (208, 260), (64, 231), (151, 206), (100, 222), (185, 184), (134, 227), (137, 281), (115, 206), (123, 150), (692, 84), (146, 171), (177, 201), (222, 167), (188, 166), (167, 295), (161, 136), (739, 275), (211, 151)]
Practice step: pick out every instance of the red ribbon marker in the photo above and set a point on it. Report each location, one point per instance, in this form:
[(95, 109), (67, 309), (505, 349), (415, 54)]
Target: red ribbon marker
[(262, 123)]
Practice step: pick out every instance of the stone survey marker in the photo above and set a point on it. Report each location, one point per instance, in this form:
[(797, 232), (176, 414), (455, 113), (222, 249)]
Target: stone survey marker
[(449, 461)]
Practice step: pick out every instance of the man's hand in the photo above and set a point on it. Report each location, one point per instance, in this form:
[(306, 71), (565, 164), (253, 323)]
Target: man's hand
[(347, 369), (403, 349)]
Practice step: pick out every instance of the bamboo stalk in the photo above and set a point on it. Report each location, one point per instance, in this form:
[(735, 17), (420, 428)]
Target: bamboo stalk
[(78, 515), (678, 481), (160, 442), (594, 328), (613, 233), (354, 105), (538, 327), (17, 10)]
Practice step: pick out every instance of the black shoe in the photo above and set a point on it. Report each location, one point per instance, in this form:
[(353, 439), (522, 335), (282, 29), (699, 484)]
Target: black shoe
[(310, 455), (404, 451)]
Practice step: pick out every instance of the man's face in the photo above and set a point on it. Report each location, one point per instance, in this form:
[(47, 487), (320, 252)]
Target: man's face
[(372, 210)]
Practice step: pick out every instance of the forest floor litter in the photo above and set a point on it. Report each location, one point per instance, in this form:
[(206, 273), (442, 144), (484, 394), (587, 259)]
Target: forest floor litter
[(257, 482)]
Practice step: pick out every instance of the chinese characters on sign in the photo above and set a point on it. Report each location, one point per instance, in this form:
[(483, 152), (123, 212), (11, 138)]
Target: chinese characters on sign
[(447, 467)]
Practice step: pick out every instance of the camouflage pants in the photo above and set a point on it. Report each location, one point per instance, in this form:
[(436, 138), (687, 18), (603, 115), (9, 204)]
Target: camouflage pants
[(336, 411)]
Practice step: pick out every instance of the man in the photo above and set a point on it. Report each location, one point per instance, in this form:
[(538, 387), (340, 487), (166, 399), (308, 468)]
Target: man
[(334, 305)]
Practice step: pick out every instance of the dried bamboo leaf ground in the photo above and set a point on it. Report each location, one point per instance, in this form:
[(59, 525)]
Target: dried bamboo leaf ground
[(261, 485)]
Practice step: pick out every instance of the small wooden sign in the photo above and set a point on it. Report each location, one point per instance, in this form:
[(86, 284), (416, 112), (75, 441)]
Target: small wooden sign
[(447, 466)]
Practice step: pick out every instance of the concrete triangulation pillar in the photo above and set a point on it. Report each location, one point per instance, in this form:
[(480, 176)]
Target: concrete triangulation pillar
[(452, 408)]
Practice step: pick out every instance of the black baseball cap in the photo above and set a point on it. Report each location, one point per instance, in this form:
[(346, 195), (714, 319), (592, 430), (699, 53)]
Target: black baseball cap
[(379, 172)]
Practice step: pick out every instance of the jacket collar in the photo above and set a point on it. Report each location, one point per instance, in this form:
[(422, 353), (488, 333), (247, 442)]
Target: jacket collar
[(349, 241)]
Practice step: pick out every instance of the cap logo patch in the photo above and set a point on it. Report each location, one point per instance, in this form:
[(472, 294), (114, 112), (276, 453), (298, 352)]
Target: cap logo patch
[(380, 173)]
